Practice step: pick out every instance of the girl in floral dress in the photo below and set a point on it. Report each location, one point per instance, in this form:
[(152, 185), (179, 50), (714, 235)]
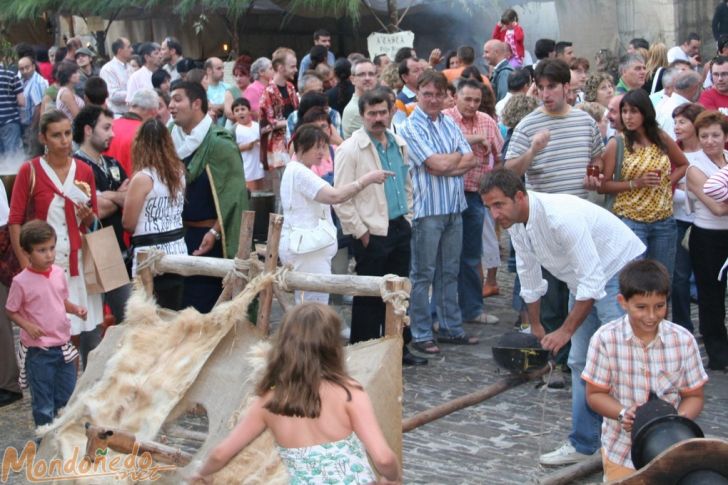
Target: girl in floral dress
[(321, 418)]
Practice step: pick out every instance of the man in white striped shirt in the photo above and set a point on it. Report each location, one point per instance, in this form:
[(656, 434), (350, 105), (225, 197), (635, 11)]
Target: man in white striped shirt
[(584, 246)]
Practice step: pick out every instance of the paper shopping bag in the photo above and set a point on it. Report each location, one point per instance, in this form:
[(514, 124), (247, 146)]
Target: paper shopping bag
[(103, 266)]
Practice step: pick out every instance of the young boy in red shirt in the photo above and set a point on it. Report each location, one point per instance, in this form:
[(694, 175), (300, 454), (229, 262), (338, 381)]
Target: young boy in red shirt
[(38, 302)]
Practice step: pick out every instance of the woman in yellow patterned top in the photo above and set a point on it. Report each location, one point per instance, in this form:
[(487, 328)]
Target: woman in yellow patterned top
[(652, 164)]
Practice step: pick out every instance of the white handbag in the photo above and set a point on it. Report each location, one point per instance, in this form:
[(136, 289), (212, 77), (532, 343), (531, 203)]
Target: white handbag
[(304, 240)]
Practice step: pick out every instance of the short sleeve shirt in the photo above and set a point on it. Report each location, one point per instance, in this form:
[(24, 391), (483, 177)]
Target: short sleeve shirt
[(40, 298), (619, 361), (560, 167), (10, 87), (299, 187)]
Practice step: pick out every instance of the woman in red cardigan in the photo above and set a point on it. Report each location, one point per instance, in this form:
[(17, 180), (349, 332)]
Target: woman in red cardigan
[(49, 188)]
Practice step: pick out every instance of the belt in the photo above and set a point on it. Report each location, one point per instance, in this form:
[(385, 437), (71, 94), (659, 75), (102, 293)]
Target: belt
[(207, 223), (159, 238)]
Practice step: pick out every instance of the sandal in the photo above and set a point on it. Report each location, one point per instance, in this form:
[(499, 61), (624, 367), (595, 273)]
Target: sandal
[(463, 339), (427, 347)]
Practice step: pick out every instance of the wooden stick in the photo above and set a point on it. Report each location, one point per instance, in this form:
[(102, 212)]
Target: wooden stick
[(573, 472), (394, 323), (145, 274), (245, 244), (99, 438), (469, 399), (271, 262), (339, 284)]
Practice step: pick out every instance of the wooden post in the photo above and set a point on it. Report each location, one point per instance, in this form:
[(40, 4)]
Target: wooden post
[(271, 262), (394, 323), (245, 244), (145, 275), (469, 399)]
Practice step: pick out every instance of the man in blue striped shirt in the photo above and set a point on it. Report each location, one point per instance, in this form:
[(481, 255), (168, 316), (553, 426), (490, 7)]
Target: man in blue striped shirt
[(34, 87), (439, 155)]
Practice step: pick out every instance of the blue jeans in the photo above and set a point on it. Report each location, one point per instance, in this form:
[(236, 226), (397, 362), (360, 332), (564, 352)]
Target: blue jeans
[(681, 280), (436, 245), (470, 281), (51, 382), (586, 424), (659, 237), (11, 142)]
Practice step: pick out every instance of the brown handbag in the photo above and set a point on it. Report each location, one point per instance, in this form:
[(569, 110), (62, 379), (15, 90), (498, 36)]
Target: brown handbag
[(9, 265)]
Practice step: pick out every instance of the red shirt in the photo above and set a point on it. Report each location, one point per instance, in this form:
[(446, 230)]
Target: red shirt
[(712, 99), (125, 129), (40, 298)]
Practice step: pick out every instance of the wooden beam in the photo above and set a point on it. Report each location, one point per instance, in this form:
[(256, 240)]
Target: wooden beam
[(469, 399), (271, 262), (394, 323), (573, 472)]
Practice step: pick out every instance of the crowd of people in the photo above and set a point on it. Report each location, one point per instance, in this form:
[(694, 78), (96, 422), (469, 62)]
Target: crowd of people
[(410, 166)]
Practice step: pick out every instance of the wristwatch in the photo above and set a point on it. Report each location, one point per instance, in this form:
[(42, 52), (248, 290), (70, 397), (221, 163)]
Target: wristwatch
[(215, 233), (620, 416)]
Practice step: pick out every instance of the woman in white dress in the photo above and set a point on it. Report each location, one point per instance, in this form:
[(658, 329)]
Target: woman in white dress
[(306, 199), (60, 191)]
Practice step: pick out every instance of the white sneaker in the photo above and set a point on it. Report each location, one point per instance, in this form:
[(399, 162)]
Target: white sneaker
[(484, 318), (566, 455)]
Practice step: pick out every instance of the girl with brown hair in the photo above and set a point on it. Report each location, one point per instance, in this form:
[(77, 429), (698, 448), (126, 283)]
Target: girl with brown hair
[(153, 205), (316, 412)]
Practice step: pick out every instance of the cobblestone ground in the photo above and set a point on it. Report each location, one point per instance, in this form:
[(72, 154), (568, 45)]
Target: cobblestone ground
[(495, 442)]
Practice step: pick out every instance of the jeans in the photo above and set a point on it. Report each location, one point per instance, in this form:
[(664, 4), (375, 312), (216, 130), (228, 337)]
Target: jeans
[(555, 309), (51, 382), (659, 237), (436, 246), (585, 423), (708, 251), (681, 280), (10, 139), (470, 280)]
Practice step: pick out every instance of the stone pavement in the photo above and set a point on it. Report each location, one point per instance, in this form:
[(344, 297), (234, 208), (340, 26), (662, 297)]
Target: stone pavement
[(495, 442)]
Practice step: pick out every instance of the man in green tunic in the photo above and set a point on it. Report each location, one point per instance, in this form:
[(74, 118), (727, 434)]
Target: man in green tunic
[(216, 194)]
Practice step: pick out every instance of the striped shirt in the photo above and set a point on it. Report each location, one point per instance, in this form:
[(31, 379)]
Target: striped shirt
[(578, 242), (480, 124), (620, 362), (560, 167), (10, 87), (33, 90), (716, 187), (434, 195)]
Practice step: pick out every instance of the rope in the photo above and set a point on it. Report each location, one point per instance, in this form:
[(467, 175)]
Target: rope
[(399, 298), (153, 257), (235, 273), (281, 278)]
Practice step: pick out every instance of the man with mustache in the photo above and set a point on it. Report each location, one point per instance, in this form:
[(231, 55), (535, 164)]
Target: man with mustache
[(379, 218)]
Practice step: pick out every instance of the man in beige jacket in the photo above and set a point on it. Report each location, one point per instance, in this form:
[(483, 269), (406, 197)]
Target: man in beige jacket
[(378, 217)]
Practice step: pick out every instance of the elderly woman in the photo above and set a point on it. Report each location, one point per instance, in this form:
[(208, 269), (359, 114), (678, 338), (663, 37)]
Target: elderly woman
[(308, 239), (599, 88), (709, 235), (262, 73)]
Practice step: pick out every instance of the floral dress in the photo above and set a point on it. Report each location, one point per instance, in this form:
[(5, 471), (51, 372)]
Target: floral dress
[(339, 462)]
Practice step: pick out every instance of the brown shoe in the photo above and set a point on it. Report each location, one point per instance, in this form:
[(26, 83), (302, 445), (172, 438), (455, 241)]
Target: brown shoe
[(489, 290)]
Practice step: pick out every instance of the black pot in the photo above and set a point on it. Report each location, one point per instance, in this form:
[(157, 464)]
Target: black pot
[(703, 477), (519, 352), (659, 434)]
